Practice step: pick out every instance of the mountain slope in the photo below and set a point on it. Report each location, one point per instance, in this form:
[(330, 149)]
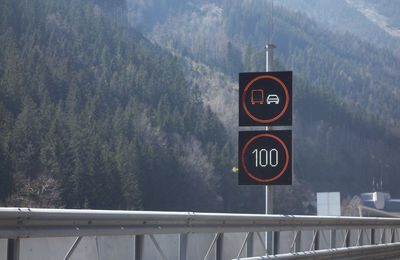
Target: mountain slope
[(355, 70), (373, 21), (94, 115), (346, 95)]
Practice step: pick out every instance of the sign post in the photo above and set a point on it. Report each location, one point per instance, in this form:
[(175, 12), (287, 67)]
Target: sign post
[(269, 192), (265, 157)]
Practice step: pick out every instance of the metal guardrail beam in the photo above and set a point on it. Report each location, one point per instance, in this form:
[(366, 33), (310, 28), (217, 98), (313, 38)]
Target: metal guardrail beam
[(25, 222), (18, 223)]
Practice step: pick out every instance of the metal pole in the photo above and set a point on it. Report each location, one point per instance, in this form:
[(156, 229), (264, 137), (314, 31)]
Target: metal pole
[(218, 247), (332, 242), (250, 245), (269, 57), (13, 248), (269, 193), (139, 247), (183, 238)]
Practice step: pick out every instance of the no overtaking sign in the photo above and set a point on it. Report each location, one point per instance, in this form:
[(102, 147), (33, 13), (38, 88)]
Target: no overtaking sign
[(265, 98)]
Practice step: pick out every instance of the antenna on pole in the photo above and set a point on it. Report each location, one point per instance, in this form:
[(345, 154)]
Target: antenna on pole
[(269, 48), (271, 21)]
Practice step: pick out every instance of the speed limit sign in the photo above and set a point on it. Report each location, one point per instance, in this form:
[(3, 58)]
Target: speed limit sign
[(265, 158)]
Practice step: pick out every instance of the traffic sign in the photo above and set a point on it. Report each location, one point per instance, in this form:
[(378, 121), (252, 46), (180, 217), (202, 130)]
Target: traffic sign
[(265, 98), (265, 158)]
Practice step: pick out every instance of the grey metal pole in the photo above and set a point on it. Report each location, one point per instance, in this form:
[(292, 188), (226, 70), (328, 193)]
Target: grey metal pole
[(269, 196), (183, 239), (13, 248), (269, 57), (139, 239)]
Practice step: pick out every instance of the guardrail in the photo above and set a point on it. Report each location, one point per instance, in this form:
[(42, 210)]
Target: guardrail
[(17, 223)]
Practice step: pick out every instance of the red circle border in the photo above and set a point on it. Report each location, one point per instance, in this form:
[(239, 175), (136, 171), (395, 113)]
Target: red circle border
[(286, 163), (244, 99)]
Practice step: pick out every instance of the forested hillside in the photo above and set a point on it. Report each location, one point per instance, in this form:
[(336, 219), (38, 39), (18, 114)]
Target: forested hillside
[(375, 21), (95, 116), (133, 105), (347, 114), (355, 70)]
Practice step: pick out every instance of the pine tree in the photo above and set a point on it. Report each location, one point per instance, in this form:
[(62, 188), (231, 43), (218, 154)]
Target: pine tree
[(26, 140)]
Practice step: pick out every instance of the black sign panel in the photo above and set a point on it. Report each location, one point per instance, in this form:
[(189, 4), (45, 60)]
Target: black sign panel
[(265, 158), (265, 98)]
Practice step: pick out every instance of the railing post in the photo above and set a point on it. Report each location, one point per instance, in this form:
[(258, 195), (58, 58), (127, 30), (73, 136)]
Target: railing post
[(276, 243), (13, 248), (218, 245), (298, 242), (372, 236), (392, 234), (332, 242), (138, 247), (250, 243), (183, 246)]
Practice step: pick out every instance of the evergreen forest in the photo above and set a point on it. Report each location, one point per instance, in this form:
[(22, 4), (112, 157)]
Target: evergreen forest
[(93, 115), (133, 105), (346, 90)]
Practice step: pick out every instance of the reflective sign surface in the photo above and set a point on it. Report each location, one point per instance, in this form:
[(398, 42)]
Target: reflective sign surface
[(265, 158), (265, 98)]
